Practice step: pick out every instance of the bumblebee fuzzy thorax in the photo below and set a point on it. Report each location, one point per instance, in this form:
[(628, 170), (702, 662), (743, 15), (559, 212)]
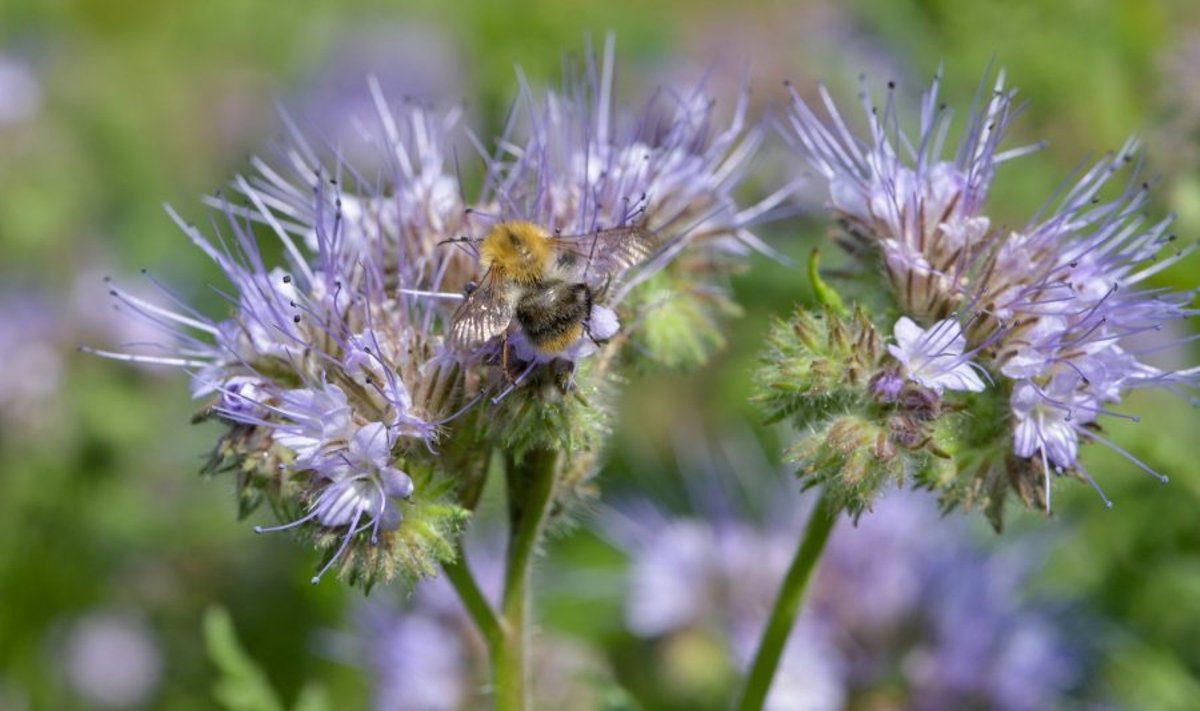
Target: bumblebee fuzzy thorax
[(519, 251)]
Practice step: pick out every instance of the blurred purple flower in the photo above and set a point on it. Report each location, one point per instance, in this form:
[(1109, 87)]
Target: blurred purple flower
[(111, 660), (929, 623), (423, 653), (20, 91), (418, 661), (32, 331), (417, 63)]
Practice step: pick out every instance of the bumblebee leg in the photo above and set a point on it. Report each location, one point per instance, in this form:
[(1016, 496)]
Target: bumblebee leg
[(504, 358), (587, 329), (564, 374), (590, 301)]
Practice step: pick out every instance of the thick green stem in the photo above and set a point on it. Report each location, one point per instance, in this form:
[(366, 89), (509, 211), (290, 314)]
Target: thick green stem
[(787, 605), (531, 480)]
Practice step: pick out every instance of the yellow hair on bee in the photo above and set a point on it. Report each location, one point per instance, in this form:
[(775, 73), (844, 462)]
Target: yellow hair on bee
[(559, 341), (518, 251)]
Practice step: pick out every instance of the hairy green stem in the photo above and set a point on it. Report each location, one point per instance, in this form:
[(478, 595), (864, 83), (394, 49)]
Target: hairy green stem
[(480, 610), (531, 480), (787, 605)]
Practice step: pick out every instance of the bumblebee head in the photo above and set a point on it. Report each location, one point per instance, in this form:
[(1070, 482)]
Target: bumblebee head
[(518, 250)]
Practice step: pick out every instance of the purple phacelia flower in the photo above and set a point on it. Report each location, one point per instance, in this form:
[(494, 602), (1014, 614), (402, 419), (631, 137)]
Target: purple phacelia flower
[(574, 163), (1078, 314), (331, 371), (902, 195), (357, 488), (1052, 313), (585, 164)]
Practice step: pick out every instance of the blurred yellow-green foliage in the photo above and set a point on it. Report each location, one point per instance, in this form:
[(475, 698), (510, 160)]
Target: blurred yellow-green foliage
[(122, 105)]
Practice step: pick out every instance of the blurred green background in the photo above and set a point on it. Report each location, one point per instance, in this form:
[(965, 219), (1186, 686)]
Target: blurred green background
[(109, 108)]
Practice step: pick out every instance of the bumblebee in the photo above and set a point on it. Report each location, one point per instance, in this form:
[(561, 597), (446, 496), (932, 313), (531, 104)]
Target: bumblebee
[(546, 283)]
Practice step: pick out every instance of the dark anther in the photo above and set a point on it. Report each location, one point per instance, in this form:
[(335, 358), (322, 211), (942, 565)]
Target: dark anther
[(296, 318)]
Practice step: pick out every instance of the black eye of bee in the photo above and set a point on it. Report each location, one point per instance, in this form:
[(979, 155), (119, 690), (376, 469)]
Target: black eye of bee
[(470, 288)]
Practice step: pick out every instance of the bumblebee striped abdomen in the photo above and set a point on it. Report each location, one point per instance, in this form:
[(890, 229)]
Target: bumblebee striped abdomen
[(552, 312)]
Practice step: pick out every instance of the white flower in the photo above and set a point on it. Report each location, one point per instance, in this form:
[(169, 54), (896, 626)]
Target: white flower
[(1045, 418), (363, 482), (934, 357)]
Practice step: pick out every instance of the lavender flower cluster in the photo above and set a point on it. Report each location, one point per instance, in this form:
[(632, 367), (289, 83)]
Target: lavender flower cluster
[(345, 403), (1053, 317)]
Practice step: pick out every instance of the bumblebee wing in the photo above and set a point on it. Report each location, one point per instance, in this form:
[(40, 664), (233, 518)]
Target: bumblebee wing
[(607, 252), (485, 313)]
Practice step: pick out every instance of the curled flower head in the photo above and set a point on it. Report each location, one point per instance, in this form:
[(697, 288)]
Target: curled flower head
[(1057, 307), (329, 372), (902, 195)]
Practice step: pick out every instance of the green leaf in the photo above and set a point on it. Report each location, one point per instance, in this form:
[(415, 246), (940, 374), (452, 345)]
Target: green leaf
[(242, 685)]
